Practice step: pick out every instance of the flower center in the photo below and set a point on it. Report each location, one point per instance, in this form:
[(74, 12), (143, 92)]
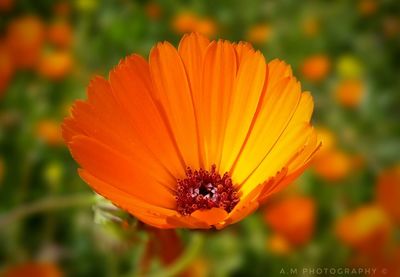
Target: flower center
[(202, 190)]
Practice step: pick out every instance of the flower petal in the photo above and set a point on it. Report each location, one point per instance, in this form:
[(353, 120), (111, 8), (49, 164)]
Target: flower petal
[(219, 73), (281, 154), (275, 113), (132, 88), (172, 93), (248, 90), (180, 221), (242, 49), (211, 217), (148, 213), (101, 118), (128, 174), (192, 49)]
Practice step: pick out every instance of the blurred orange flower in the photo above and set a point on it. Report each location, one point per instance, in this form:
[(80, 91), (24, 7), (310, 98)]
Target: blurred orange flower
[(62, 8), (184, 22), (153, 10), (187, 22), (316, 68), (48, 130), (278, 244), (388, 192), (349, 92), (259, 33), (198, 268), (331, 163), (60, 34), (311, 26), (328, 140), (206, 26), (293, 218), (367, 7), (25, 38), (55, 64), (366, 229), (391, 26), (33, 269), (385, 261), (225, 147), (6, 5), (6, 68)]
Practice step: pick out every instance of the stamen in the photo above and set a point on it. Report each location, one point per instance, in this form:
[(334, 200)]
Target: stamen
[(203, 190)]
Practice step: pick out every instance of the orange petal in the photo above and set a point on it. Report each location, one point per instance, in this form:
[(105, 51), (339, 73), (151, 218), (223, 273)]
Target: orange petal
[(132, 88), (192, 49), (126, 173), (211, 217), (180, 221), (174, 96), (278, 70), (247, 205), (281, 154), (243, 106), (219, 73), (101, 118), (275, 113), (148, 213), (242, 49), (70, 128)]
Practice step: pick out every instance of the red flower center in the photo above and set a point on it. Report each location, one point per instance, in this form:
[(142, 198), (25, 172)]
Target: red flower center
[(202, 190)]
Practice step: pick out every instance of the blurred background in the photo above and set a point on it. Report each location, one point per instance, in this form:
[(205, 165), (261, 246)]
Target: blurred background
[(344, 212)]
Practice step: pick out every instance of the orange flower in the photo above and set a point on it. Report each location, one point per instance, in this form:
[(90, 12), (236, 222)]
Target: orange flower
[(316, 68), (200, 267), (186, 22), (311, 26), (153, 10), (331, 163), (367, 7), (388, 192), (33, 269), (259, 33), (6, 68), (49, 131), (55, 64), (293, 218), (386, 262), (25, 37), (350, 92), (391, 26), (6, 5), (197, 137), (328, 140), (60, 33), (62, 8), (278, 244), (205, 26), (366, 229)]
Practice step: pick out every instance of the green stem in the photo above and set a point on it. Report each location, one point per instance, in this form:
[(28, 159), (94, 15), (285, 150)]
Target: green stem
[(185, 259), (45, 204)]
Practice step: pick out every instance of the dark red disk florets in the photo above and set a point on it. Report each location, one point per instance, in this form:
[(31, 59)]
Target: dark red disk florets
[(202, 190)]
